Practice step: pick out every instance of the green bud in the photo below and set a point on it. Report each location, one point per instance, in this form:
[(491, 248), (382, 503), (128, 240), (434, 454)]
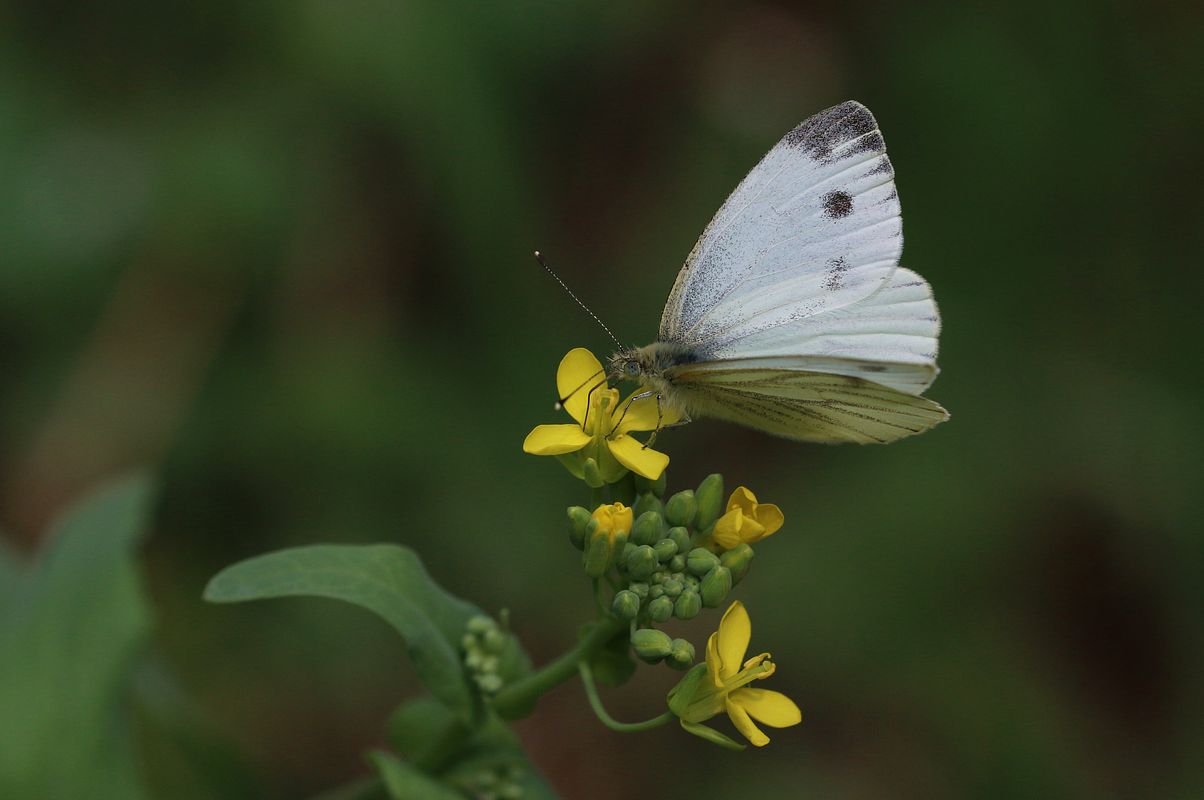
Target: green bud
[(665, 549), (479, 623), (651, 645), (626, 605), (641, 563), (681, 538), (681, 509), (738, 560), (591, 474), (597, 556), (688, 605), (677, 563), (681, 695), (656, 487), (682, 655), (489, 683), (640, 589), (691, 582), (660, 609), (648, 502), (579, 520), (715, 586), (649, 528), (672, 587), (625, 551), (710, 501), (700, 561), (658, 577), (494, 640), (655, 592)]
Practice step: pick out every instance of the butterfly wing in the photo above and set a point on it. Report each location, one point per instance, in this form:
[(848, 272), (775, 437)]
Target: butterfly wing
[(806, 406), (813, 228)]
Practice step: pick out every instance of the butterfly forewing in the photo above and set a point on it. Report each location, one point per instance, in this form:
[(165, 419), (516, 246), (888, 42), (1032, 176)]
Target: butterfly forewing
[(813, 228)]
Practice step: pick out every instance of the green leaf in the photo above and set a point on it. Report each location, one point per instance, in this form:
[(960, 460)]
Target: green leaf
[(386, 579), (712, 735), (68, 632), (403, 782)]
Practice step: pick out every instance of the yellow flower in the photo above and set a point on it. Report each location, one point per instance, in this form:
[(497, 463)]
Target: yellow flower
[(614, 520), (603, 424), (746, 520), (723, 687)]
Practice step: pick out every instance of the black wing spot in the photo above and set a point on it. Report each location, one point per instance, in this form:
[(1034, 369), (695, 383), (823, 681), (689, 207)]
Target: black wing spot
[(834, 280), (884, 168), (837, 204), (821, 134)]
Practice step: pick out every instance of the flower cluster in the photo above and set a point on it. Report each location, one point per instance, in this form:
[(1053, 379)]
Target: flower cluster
[(664, 558)]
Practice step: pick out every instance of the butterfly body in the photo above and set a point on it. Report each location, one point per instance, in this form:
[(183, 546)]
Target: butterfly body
[(791, 314)]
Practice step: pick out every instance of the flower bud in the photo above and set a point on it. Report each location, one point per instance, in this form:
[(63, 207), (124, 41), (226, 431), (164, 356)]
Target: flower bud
[(626, 605), (709, 497), (651, 645), (640, 589), (665, 549), (579, 519), (688, 605), (656, 487), (494, 641), (591, 474), (681, 656), (655, 592), (681, 538), (738, 560), (715, 586), (677, 563), (597, 556), (649, 528), (700, 561), (648, 502), (641, 563), (660, 609), (681, 508), (673, 587)]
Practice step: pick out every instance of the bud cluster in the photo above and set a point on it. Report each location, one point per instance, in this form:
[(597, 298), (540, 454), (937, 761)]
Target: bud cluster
[(483, 642), (497, 782), (665, 560)]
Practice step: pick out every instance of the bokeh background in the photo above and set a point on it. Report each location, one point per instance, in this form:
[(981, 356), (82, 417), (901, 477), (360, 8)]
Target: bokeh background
[(280, 253)]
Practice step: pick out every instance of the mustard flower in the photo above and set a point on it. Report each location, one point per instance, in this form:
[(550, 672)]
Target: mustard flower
[(746, 520), (724, 686), (603, 424)]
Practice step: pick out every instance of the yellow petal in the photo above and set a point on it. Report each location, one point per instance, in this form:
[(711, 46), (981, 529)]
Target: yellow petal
[(743, 499), (642, 414), (771, 517), (735, 631), (714, 665), (553, 440), (769, 707), (744, 724), (727, 529), (645, 462), (578, 372)]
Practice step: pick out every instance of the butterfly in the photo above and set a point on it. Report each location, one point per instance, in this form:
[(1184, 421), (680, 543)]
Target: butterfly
[(791, 314)]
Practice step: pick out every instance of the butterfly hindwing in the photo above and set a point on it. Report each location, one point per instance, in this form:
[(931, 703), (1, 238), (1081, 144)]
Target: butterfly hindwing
[(808, 406)]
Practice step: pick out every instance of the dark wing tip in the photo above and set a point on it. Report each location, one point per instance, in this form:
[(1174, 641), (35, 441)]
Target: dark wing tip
[(850, 122)]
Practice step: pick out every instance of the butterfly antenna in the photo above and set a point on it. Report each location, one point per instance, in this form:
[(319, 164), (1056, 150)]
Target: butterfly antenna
[(563, 285)]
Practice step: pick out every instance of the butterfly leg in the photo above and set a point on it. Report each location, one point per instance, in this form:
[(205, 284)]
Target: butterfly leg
[(627, 405)]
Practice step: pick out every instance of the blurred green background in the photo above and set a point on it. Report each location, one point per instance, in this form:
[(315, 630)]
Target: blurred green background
[(280, 253)]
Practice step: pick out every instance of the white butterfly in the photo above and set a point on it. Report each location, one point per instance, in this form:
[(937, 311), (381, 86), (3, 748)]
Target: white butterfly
[(792, 314)]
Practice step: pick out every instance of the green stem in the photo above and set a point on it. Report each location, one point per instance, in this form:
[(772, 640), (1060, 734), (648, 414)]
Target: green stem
[(591, 691), (518, 699)]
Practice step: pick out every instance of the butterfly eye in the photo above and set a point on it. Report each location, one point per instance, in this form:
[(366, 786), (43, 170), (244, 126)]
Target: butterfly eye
[(632, 369)]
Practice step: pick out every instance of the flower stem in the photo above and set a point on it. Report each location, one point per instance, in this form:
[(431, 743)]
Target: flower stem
[(518, 699), (591, 691)]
